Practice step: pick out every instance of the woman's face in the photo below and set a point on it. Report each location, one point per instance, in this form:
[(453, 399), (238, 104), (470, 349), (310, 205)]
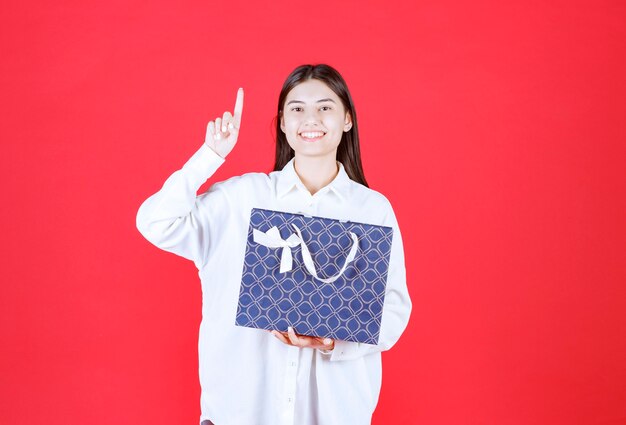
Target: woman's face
[(314, 119)]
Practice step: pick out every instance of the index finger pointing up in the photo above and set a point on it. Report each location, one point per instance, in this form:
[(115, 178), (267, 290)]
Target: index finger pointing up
[(238, 106)]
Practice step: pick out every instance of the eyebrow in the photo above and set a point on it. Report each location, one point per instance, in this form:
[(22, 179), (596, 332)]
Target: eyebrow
[(321, 100)]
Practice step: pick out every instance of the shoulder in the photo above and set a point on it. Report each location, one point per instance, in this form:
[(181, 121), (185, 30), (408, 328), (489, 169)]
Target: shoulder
[(371, 205), (248, 183), (369, 197)]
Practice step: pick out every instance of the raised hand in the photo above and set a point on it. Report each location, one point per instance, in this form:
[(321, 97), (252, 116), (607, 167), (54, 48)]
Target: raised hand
[(221, 134)]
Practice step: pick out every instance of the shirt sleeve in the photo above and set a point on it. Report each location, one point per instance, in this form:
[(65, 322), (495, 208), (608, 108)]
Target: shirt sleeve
[(175, 219), (396, 308)]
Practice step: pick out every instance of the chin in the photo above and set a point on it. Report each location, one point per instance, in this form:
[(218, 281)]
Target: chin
[(314, 153)]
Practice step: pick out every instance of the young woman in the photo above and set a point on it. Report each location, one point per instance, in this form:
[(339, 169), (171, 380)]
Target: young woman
[(254, 377)]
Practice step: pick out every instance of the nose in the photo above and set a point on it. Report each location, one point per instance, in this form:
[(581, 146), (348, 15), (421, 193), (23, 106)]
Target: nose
[(312, 117)]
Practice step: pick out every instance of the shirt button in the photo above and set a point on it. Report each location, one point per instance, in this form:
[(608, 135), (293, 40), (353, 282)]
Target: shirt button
[(293, 363)]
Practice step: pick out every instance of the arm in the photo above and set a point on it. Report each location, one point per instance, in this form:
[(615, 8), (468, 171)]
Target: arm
[(397, 307), (174, 219)]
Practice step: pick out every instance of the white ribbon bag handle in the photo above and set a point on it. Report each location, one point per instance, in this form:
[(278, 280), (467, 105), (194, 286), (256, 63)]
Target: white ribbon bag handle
[(272, 239)]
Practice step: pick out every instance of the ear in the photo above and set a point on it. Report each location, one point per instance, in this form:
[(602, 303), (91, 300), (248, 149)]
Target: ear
[(282, 123), (347, 122)]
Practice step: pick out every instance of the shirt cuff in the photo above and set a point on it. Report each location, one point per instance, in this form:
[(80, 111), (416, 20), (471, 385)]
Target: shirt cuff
[(345, 350), (204, 163)]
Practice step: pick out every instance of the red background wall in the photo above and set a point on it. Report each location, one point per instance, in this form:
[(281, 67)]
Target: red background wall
[(497, 130)]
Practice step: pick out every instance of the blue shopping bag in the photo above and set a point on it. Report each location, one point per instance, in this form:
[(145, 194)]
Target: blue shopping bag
[(324, 277)]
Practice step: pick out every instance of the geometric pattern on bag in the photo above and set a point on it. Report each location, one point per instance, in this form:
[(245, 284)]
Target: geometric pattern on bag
[(349, 308)]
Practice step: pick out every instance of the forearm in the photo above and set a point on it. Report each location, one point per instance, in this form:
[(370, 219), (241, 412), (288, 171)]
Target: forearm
[(397, 304), (170, 218), (394, 321)]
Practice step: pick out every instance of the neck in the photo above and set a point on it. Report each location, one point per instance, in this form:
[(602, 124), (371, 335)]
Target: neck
[(316, 172)]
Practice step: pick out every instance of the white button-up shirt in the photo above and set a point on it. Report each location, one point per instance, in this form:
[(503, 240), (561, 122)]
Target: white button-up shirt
[(247, 376)]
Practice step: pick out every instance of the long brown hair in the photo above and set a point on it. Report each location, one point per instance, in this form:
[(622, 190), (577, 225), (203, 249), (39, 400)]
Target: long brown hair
[(348, 151)]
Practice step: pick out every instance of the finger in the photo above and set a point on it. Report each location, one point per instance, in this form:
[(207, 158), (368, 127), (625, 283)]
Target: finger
[(226, 118), (309, 341), (320, 340), (238, 107), (211, 128), (329, 344), (324, 343), (280, 337), (292, 336), (218, 128)]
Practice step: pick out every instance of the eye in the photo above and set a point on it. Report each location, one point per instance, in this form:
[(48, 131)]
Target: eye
[(326, 108), (296, 109)]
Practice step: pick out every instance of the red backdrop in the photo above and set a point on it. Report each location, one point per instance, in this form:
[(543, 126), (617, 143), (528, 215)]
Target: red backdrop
[(497, 131)]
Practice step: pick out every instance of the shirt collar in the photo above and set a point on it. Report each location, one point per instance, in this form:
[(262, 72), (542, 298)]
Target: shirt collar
[(288, 179)]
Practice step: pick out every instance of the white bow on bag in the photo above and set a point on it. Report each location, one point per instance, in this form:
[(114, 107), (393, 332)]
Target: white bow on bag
[(272, 239)]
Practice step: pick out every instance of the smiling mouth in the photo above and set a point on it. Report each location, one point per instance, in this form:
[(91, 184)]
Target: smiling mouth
[(312, 135)]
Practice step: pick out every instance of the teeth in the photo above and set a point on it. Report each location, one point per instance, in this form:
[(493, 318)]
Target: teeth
[(312, 134)]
